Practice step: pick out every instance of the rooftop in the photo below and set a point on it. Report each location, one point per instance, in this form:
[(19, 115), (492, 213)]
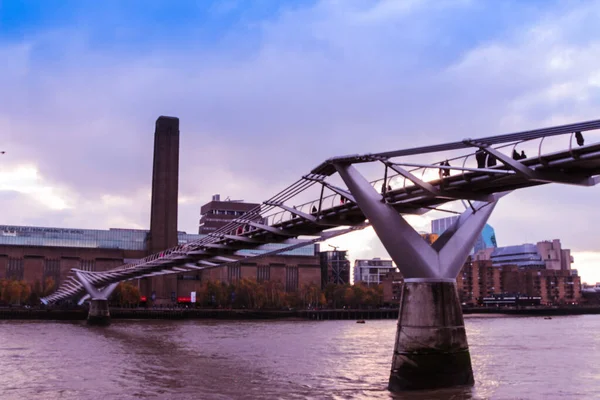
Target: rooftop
[(113, 238)]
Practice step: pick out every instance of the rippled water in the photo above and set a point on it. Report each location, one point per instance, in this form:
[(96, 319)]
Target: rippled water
[(513, 358)]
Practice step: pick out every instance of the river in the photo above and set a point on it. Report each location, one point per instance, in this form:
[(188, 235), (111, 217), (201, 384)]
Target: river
[(513, 358)]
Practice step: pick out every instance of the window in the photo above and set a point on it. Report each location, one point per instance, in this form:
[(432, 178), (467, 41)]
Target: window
[(52, 270), (87, 265), (14, 269), (291, 279), (233, 272), (263, 273)]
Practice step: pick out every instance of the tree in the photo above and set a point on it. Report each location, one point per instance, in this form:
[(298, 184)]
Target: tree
[(217, 293), (126, 294), (131, 294), (48, 286), (25, 292), (4, 291), (14, 290)]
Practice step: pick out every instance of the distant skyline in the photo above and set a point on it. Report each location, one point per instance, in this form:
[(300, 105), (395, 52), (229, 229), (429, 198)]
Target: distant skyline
[(266, 90)]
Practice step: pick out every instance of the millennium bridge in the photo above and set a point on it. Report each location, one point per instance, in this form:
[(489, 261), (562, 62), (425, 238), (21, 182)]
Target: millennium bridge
[(335, 198)]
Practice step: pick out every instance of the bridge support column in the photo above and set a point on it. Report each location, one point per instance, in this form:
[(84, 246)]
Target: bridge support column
[(99, 314), (431, 349)]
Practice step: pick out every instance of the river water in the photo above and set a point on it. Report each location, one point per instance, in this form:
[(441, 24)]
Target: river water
[(513, 358)]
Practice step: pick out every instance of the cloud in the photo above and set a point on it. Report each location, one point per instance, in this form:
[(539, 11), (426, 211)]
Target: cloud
[(26, 180), (265, 99), (587, 264)]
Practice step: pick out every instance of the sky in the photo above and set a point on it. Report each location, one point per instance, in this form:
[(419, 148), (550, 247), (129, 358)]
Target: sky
[(266, 90)]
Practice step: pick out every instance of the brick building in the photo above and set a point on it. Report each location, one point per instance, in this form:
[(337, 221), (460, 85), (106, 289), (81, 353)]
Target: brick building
[(392, 287), (217, 213), (479, 279)]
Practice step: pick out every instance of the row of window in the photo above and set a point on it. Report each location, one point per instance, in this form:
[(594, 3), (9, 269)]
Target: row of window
[(374, 263), (308, 250), (225, 212), (80, 243), (15, 268), (125, 239), (263, 273), (216, 220)]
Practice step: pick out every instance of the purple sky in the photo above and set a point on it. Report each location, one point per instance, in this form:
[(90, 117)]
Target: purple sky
[(266, 92)]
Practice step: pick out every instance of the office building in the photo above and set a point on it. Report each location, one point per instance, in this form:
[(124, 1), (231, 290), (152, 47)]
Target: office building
[(542, 255), (371, 271), (216, 213)]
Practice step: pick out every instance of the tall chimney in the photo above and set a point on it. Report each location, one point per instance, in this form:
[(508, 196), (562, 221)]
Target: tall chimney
[(165, 177)]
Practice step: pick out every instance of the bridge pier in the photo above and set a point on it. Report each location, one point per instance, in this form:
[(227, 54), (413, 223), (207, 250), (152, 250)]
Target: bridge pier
[(98, 313), (431, 349)]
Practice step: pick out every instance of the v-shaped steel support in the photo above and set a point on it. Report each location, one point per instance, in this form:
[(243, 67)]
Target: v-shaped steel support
[(94, 292), (411, 253)]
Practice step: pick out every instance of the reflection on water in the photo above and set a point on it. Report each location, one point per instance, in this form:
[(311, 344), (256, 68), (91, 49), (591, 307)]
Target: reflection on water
[(513, 358)]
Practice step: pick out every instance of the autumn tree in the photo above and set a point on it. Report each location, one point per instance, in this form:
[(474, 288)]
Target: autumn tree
[(48, 286), (14, 290), (25, 292)]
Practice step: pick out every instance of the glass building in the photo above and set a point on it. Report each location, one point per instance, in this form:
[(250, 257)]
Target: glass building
[(123, 239), (486, 240), (524, 256)]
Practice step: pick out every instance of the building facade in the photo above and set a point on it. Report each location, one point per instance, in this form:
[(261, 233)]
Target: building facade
[(392, 287), (33, 254), (547, 254), (489, 282), (216, 213), (372, 271), (481, 279)]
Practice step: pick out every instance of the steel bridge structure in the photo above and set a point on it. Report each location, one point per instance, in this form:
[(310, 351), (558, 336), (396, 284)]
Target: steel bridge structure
[(335, 198)]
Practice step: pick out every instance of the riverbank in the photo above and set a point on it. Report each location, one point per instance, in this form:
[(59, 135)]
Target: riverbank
[(180, 313), (535, 311)]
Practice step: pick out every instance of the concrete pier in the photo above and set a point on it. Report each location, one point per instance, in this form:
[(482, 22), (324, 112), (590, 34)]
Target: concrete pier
[(98, 313), (431, 349)]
